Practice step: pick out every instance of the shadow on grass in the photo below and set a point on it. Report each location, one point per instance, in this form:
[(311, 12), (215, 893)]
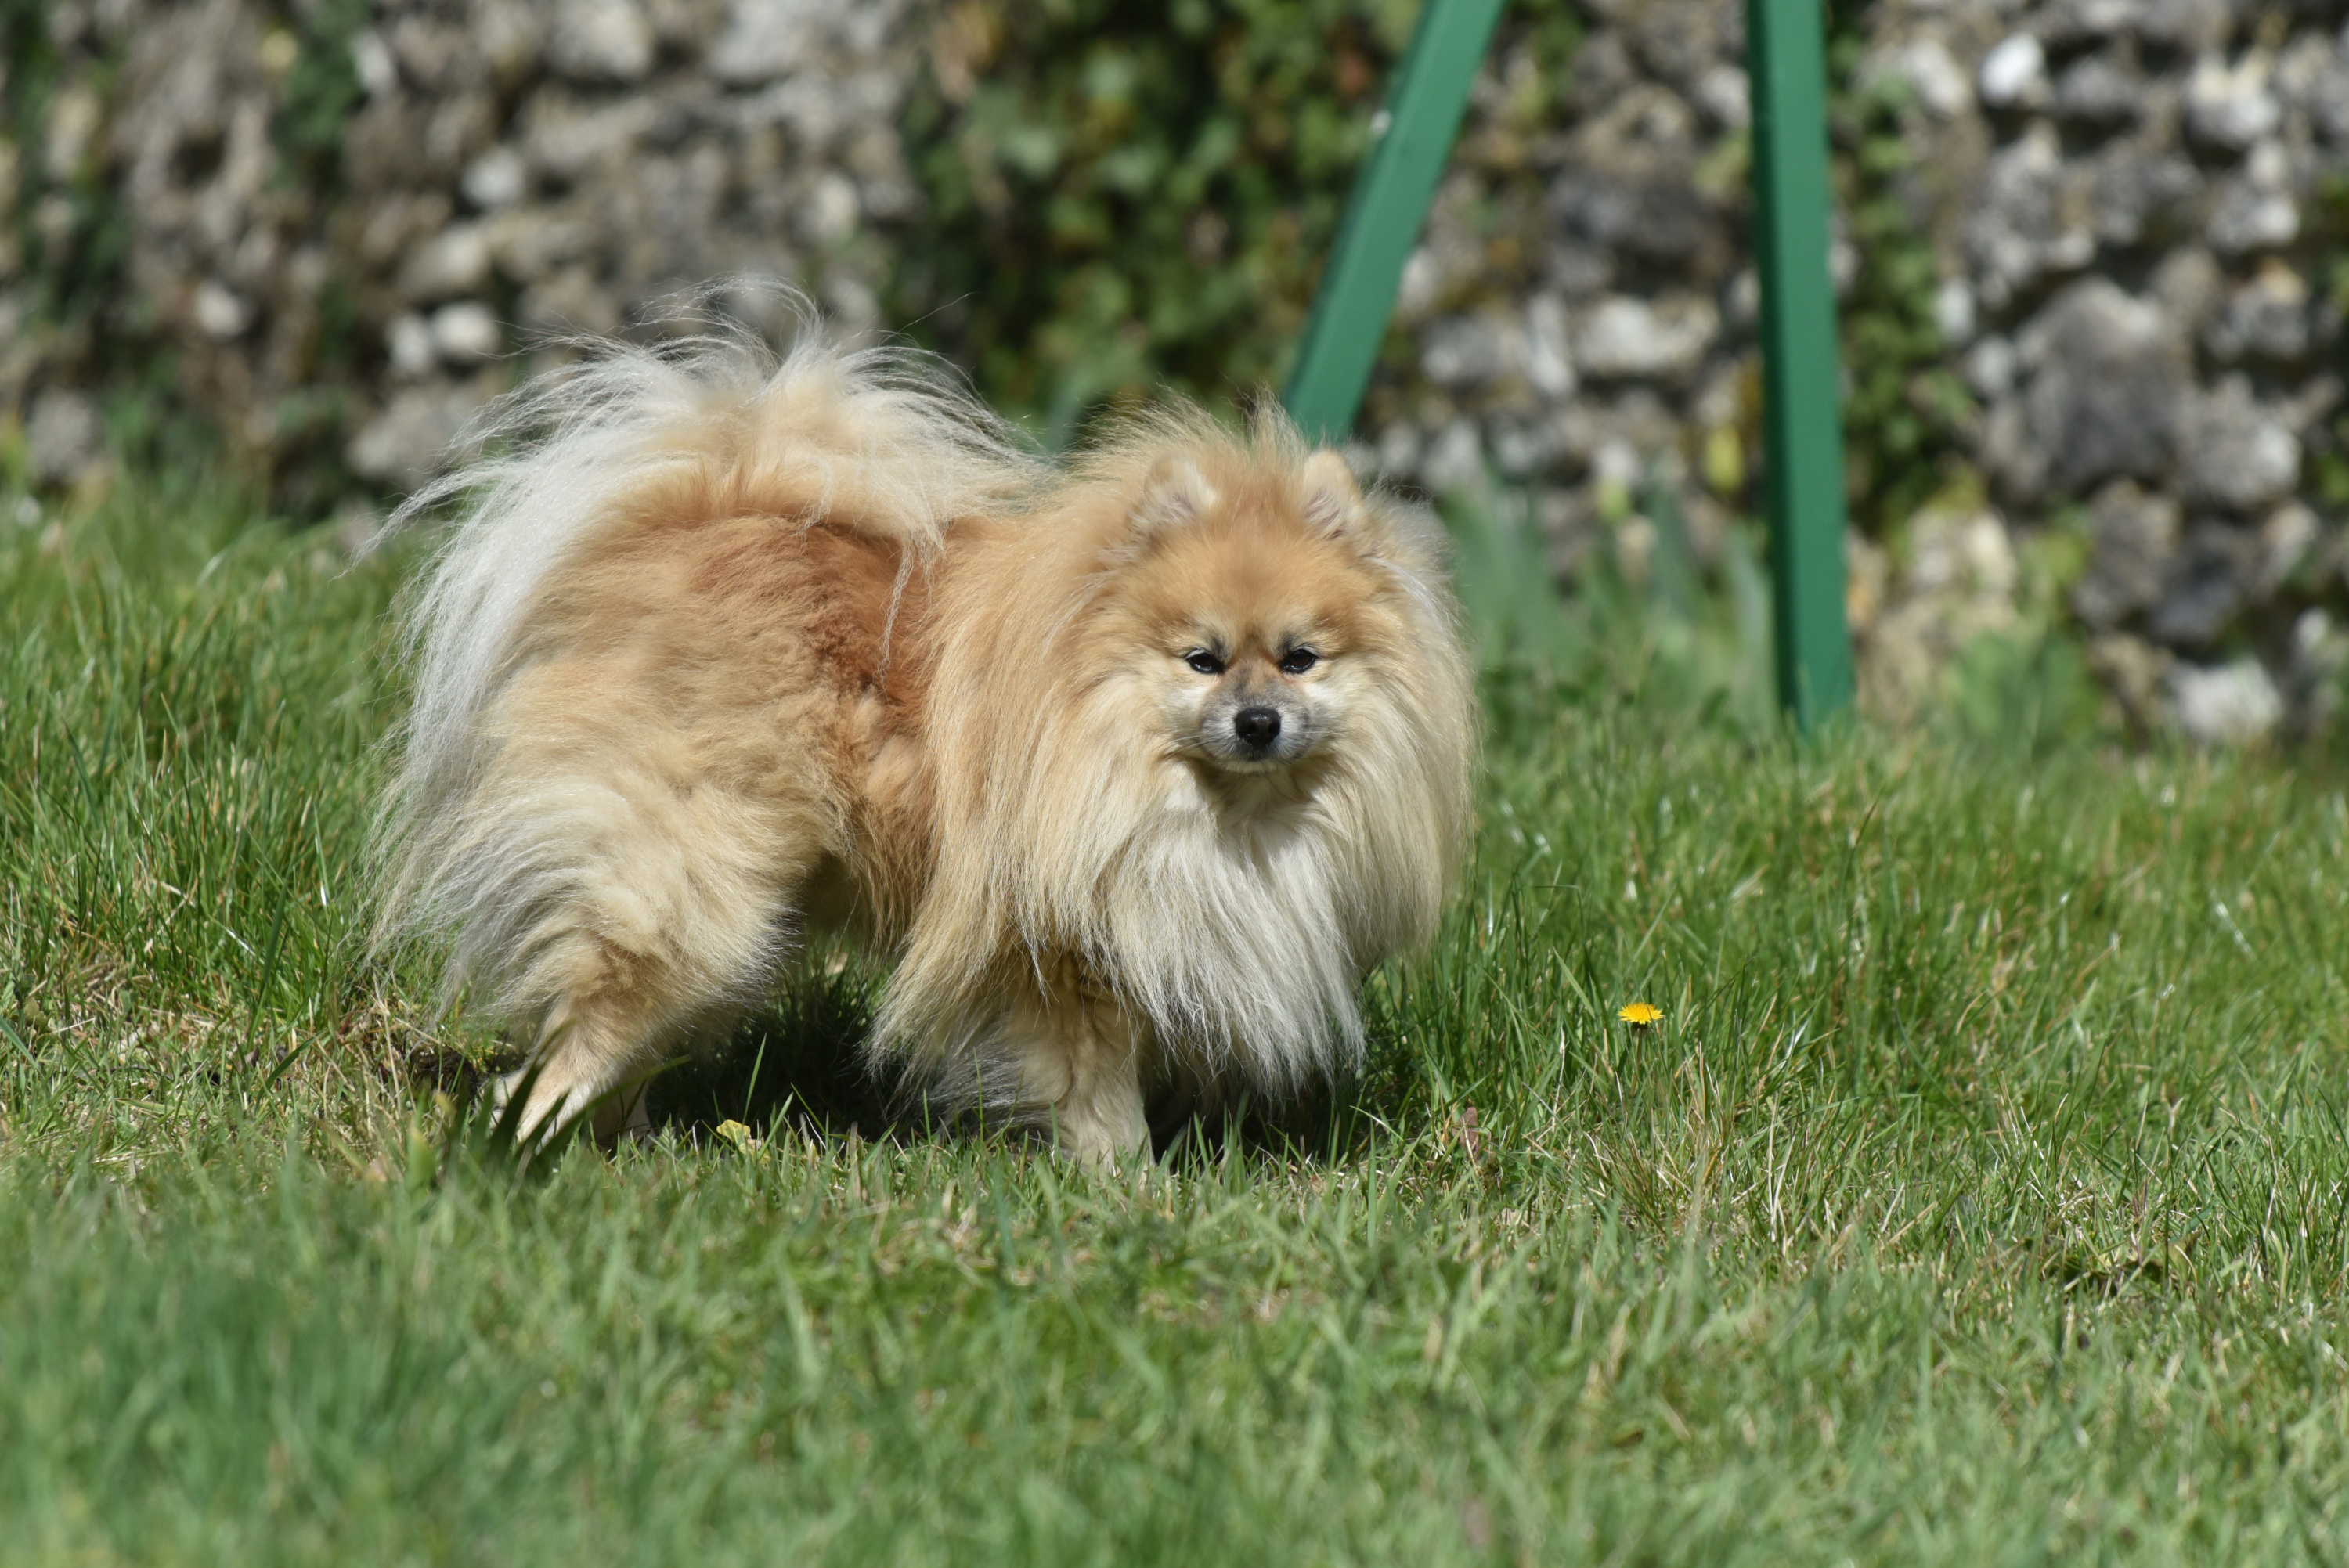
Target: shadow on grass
[(797, 1063)]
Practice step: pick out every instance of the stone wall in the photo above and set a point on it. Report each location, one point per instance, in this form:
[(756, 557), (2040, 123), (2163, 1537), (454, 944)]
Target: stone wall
[(2135, 210), (328, 227), (504, 171)]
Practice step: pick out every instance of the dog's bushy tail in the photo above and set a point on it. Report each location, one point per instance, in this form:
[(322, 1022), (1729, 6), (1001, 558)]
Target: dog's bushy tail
[(712, 425)]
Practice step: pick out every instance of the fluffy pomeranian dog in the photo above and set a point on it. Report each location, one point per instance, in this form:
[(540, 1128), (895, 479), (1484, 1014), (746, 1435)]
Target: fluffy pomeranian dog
[(1134, 766)]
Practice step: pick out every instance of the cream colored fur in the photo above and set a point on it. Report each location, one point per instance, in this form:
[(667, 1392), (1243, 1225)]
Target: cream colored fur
[(719, 648)]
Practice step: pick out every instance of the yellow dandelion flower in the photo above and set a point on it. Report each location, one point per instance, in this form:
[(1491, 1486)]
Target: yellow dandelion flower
[(1639, 1015)]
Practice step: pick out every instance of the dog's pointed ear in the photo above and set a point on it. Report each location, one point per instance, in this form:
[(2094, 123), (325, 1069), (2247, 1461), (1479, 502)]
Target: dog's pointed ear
[(1175, 493), (1333, 503)]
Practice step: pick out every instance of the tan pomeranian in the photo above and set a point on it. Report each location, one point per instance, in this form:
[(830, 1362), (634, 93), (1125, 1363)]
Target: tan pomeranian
[(1135, 766)]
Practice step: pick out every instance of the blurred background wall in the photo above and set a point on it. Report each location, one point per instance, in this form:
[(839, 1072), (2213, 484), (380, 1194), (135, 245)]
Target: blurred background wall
[(2093, 257)]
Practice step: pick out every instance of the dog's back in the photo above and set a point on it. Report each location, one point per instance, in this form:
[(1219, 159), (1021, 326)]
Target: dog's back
[(671, 620)]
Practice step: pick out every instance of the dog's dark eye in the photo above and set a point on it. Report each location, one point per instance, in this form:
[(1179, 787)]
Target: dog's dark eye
[(1297, 661), (1206, 663)]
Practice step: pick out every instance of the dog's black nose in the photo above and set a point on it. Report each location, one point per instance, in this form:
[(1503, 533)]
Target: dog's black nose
[(1257, 727)]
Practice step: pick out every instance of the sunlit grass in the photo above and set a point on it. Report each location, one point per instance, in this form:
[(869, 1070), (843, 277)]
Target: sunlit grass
[(1981, 1195)]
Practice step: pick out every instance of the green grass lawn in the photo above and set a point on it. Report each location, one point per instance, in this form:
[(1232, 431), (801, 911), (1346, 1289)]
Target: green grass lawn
[(1983, 1196)]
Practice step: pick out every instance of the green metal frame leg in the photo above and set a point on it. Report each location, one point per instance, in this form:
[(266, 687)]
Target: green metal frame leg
[(1801, 411), (1383, 215), (1800, 403)]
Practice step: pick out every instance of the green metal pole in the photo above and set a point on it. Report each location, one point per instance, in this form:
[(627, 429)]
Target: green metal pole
[(1383, 215), (1802, 416)]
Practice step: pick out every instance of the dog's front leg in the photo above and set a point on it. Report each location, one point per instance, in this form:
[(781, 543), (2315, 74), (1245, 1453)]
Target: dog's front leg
[(1080, 1058)]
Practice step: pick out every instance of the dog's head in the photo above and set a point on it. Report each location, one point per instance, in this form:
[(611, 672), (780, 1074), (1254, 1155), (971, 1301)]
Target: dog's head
[(1254, 610)]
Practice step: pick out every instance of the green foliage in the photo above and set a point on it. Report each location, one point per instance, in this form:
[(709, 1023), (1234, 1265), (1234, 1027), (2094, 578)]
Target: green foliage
[(1661, 641), (1124, 193), (73, 238), (1906, 411), (2030, 691), (2327, 227), (1121, 196), (320, 92)]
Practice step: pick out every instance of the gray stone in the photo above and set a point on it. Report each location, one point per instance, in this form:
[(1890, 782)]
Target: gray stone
[(466, 332), (2030, 217), (2106, 374), (1610, 437), (1601, 68), (456, 260), (1455, 463), (531, 242), (1521, 447), (1660, 339), (403, 444), (2136, 192), (1679, 40), (1959, 584), (2188, 23), (2096, 90), (768, 39), (2317, 397), (2135, 539), (499, 178), (601, 40), (459, 131), (821, 108), (1615, 466), (1724, 93), (2288, 536), (407, 342), (2175, 23), (1930, 71), (64, 435), (2230, 106), (2233, 452), (2189, 285), (220, 312), (832, 210), (510, 37), (2211, 577), (1573, 269), (2014, 75), (1969, 554), (1399, 447), (1472, 351), (2250, 215), (2328, 100), (2304, 74), (2074, 19), (2226, 705), (1743, 298), (568, 139), (2137, 674), (1991, 367), (372, 62), (2312, 677), (1549, 363), (1660, 219), (2266, 317), (1953, 312), (570, 302), (434, 55)]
